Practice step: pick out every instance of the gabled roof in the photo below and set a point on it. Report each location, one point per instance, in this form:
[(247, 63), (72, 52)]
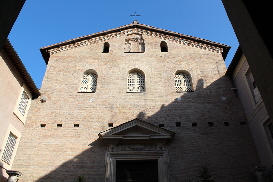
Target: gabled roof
[(146, 29), (16, 61), (136, 130)]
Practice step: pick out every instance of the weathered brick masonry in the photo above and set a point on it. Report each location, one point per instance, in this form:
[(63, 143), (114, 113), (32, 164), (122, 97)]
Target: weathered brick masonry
[(54, 153)]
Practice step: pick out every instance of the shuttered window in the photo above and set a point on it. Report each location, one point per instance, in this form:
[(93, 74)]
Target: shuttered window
[(23, 103), (7, 154), (136, 82), (183, 82), (89, 82)]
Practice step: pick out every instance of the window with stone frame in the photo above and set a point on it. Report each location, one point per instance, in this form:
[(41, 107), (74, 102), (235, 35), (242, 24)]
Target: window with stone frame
[(23, 103), (136, 82), (89, 82), (183, 82), (9, 148)]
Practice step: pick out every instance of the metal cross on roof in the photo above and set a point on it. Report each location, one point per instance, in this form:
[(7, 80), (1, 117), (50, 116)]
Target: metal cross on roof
[(135, 14)]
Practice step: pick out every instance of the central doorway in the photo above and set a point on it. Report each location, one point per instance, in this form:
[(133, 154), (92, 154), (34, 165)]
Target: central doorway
[(136, 171)]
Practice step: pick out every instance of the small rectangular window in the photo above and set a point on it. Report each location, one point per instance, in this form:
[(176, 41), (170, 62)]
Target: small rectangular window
[(110, 124), (43, 125), (242, 123), (178, 124), (210, 123), (76, 125), (59, 125), (226, 123), (194, 124)]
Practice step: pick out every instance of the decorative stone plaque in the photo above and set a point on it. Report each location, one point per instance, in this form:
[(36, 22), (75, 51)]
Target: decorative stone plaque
[(134, 42)]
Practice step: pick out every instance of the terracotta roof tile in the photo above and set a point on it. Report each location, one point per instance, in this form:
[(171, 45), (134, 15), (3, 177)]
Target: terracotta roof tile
[(134, 25)]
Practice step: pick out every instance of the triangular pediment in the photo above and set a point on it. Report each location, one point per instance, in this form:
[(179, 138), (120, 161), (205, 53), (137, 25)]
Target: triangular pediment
[(136, 130), (142, 29), (138, 126)]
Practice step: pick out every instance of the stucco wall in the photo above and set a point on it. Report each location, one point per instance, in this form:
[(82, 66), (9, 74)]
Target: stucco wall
[(256, 114), (11, 87)]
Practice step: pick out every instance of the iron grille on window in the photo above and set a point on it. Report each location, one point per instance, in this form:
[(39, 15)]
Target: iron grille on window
[(136, 82), (89, 82), (183, 82), (23, 103), (7, 154)]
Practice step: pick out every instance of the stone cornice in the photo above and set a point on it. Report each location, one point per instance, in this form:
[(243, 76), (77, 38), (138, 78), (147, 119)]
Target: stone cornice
[(139, 28), (136, 122)]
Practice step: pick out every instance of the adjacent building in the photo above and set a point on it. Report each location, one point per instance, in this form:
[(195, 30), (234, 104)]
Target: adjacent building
[(17, 92), (249, 21), (246, 90)]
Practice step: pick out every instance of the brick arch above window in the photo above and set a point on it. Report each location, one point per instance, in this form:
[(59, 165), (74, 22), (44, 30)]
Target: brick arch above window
[(89, 81), (136, 81), (183, 81)]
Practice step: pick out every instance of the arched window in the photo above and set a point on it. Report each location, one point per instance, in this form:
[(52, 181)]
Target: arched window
[(164, 46), (106, 47), (182, 82), (89, 81), (136, 81)]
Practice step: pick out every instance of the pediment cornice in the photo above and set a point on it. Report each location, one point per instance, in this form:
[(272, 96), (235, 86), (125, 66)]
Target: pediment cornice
[(135, 122), (154, 132), (143, 29)]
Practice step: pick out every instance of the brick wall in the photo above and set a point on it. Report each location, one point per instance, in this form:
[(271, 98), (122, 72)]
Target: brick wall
[(54, 153)]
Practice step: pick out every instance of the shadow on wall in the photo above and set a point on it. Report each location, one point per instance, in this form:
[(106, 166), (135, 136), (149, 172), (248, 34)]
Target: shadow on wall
[(2, 171), (209, 133), (88, 165)]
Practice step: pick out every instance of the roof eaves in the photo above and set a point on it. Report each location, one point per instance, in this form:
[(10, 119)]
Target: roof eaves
[(237, 56), (45, 54), (8, 48)]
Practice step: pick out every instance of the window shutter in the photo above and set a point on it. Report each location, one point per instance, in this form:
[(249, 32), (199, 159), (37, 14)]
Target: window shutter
[(7, 154)]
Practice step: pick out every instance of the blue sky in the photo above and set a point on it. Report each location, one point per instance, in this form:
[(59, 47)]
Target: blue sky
[(45, 22)]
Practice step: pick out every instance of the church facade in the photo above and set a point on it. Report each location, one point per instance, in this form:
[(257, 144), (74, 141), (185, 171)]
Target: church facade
[(136, 103)]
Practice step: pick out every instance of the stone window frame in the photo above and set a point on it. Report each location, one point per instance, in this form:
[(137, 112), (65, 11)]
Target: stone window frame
[(135, 84), (86, 80), (161, 156), (181, 84), (22, 115), (11, 129)]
